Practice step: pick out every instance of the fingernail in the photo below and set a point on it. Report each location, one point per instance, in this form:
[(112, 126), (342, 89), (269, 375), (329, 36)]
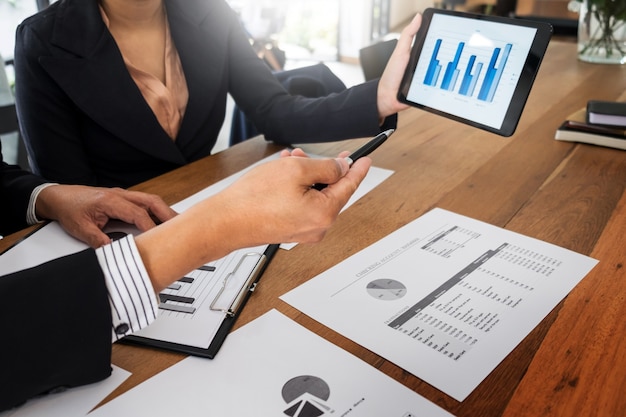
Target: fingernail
[(344, 166)]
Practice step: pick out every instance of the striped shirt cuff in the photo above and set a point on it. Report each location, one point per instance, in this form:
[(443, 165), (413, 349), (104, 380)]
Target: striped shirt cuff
[(31, 215), (131, 295)]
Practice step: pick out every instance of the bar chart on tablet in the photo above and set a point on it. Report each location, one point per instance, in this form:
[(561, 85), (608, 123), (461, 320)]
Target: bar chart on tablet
[(473, 70), (470, 69)]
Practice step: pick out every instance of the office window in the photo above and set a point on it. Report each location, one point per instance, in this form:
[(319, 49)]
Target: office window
[(380, 19), (12, 12), (304, 29)]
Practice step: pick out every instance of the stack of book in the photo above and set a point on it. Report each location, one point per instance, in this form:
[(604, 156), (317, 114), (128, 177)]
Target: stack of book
[(600, 123)]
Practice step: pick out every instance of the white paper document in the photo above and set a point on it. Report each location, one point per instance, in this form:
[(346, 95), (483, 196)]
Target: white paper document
[(445, 297), (272, 367), (75, 402)]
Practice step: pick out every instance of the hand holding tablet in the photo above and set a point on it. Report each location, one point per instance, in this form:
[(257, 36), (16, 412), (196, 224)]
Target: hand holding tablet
[(475, 69)]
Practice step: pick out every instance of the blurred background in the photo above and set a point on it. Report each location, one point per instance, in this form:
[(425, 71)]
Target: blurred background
[(351, 37)]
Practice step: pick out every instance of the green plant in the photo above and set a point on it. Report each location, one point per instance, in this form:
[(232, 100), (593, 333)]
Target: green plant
[(611, 18)]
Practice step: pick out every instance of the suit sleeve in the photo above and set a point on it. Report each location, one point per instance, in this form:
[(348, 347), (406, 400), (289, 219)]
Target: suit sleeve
[(295, 119), (16, 186), (56, 322)]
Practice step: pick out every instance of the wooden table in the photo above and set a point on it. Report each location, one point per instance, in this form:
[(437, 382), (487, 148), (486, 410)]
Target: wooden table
[(572, 195)]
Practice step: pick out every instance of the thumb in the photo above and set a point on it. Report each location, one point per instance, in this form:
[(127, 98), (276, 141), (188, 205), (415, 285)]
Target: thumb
[(329, 171)]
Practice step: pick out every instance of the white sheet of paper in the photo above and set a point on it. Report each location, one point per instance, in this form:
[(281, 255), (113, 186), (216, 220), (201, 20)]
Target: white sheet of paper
[(445, 297), (47, 243), (272, 367), (75, 402)]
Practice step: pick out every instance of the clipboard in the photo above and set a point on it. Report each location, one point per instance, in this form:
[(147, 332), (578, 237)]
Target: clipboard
[(188, 333), (230, 311)]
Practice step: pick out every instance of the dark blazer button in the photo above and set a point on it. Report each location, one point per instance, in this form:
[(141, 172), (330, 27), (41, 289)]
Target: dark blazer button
[(121, 328)]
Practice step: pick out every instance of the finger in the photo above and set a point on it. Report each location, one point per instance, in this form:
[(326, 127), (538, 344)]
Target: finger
[(153, 204), (128, 211), (140, 218), (97, 238), (343, 189), (163, 213), (328, 171), (89, 233), (298, 152), (293, 152), (407, 34)]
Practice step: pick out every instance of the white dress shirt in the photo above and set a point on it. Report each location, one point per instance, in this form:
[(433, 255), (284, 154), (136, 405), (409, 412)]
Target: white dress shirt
[(134, 304)]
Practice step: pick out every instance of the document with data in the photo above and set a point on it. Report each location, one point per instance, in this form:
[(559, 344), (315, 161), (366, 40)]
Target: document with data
[(445, 297), (272, 366)]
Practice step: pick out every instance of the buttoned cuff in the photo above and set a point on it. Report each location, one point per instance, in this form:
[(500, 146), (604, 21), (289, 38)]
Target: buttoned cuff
[(133, 301)]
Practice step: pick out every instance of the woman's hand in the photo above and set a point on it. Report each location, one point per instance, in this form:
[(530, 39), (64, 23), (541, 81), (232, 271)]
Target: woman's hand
[(389, 83), (272, 203)]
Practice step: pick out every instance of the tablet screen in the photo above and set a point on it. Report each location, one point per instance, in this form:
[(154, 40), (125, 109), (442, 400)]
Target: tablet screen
[(473, 68)]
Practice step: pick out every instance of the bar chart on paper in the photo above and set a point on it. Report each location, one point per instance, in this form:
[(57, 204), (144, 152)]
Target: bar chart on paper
[(466, 85)]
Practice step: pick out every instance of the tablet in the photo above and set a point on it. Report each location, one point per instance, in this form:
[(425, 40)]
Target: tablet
[(474, 69)]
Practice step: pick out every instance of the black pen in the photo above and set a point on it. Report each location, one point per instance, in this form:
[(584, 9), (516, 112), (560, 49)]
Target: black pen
[(364, 150)]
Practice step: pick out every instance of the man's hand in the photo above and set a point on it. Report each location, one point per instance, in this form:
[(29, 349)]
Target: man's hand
[(83, 211)]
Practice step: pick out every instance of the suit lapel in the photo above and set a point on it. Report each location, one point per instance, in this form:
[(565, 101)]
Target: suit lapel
[(95, 78)]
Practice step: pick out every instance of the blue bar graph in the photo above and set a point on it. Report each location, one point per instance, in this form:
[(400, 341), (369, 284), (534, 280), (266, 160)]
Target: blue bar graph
[(452, 73), (432, 73), (469, 80), (471, 73), (493, 75)]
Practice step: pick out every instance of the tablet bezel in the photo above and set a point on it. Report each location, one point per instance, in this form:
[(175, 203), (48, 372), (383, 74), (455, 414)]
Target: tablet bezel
[(524, 84)]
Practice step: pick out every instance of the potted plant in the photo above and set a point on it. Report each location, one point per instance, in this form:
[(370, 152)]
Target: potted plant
[(602, 30)]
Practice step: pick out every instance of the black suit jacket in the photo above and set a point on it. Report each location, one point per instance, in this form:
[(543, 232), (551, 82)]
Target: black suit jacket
[(56, 325), (85, 121), (55, 318), (16, 186)]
